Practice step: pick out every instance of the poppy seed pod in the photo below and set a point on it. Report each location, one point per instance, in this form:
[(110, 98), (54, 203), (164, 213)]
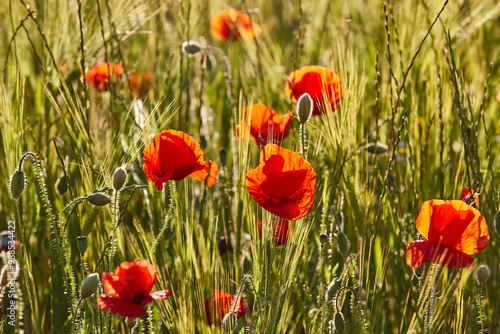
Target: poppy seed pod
[(304, 108), (191, 48), (229, 323), (119, 178), (98, 199), (81, 244), (61, 185), (223, 156), (131, 322), (17, 183), (497, 222), (323, 238), (339, 322), (89, 285), (482, 273), (343, 244)]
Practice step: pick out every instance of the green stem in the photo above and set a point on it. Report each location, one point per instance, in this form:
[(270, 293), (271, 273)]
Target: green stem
[(75, 315), (167, 218)]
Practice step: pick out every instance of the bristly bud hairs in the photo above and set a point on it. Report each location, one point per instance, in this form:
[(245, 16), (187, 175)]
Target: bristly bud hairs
[(17, 184), (343, 244), (191, 48), (304, 108), (229, 323), (339, 322), (119, 178), (482, 273)]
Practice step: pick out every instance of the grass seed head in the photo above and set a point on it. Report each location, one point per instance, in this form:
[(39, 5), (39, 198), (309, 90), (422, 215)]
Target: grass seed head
[(89, 285), (119, 178), (17, 184)]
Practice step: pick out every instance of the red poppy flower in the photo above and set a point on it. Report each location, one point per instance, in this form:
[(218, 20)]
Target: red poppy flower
[(470, 197), (173, 155), (453, 230), (233, 24), (141, 83), (221, 304), (98, 75), (264, 123), (282, 235), (128, 289), (283, 184), (320, 83)]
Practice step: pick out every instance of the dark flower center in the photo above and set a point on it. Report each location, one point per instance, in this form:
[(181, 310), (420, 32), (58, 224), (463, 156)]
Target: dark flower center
[(138, 299)]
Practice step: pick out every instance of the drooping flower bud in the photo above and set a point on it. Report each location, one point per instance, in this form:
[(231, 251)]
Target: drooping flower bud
[(98, 199), (343, 244), (61, 185), (304, 108), (339, 323), (17, 183), (119, 178), (191, 48), (89, 285), (482, 273), (81, 244), (131, 322)]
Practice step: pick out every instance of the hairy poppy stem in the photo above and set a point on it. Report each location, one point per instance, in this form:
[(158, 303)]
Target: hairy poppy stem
[(168, 217)]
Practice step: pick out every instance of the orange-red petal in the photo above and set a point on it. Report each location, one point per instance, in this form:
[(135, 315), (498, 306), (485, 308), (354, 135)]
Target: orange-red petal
[(320, 83), (454, 224), (233, 24), (221, 304), (284, 183), (121, 307), (265, 124), (420, 252), (174, 155), (282, 230)]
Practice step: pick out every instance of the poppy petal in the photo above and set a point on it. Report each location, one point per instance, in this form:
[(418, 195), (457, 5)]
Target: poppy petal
[(420, 252), (202, 170), (161, 295), (120, 307)]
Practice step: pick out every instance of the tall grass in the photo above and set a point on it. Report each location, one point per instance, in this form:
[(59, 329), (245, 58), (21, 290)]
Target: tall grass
[(429, 94)]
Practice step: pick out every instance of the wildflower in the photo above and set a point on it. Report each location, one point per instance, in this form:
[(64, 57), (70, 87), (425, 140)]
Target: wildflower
[(173, 155), (98, 75), (232, 24), (470, 197), (281, 227), (141, 83), (221, 304), (305, 108), (265, 124), (454, 230), (128, 289), (322, 85), (283, 184)]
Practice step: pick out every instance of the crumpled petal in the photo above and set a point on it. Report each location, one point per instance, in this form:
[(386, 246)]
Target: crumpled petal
[(120, 307)]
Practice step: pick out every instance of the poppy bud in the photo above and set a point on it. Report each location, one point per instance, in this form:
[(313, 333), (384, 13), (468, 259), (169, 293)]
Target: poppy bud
[(191, 48), (332, 289), (17, 182), (323, 238), (89, 285), (81, 244), (229, 323), (223, 156), (381, 148), (482, 273), (339, 322), (119, 178), (497, 222), (98, 199), (4, 276), (224, 245), (61, 185), (304, 108), (131, 322), (418, 272), (343, 244)]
